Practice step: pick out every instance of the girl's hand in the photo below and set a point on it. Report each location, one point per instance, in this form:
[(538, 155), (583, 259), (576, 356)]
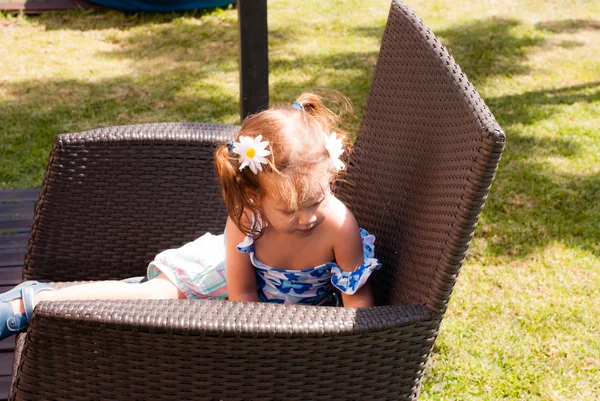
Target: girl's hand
[(239, 271), (362, 298)]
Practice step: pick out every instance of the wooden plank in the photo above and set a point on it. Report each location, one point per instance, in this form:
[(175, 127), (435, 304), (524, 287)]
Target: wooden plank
[(6, 361), (8, 344), (6, 364), (8, 253), (4, 385), (12, 259), (13, 241), (12, 208), (16, 216), (16, 226), (20, 195), (11, 275), (254, 56)]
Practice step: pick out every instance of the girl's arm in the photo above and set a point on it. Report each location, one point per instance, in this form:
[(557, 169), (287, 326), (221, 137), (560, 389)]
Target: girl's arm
[(349, 256), (239, 272)]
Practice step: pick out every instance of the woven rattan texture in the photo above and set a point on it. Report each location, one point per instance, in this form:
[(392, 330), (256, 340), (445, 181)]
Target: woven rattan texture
[(114, 197), (423, 162), (333, 362)]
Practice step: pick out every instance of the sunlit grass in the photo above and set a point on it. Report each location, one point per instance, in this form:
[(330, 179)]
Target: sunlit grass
[(524, 319)]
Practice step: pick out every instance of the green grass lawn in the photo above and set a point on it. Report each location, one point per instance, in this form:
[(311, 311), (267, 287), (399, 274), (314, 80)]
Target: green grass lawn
[(524, 320)]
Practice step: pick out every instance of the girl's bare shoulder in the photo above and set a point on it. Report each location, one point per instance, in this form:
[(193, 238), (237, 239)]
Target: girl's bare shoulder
[(341, 219), (345, 237)]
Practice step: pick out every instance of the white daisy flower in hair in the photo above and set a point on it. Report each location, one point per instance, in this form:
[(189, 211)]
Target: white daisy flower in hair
[(252, 152), (335, 148)]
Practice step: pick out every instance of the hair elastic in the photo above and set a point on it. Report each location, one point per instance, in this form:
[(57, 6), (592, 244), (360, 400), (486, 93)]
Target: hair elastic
[(230, 144), (298, 106)]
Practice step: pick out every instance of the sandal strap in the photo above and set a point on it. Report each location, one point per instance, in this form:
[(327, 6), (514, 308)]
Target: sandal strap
[(16, 292), (28, 294)]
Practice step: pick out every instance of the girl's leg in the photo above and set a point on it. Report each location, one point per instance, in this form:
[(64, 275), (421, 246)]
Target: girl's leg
[(157, 288)]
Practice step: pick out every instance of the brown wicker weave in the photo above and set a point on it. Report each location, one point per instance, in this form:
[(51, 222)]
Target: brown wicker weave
[(112, 198)]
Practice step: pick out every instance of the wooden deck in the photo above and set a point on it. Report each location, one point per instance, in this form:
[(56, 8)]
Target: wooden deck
[(16, 215)]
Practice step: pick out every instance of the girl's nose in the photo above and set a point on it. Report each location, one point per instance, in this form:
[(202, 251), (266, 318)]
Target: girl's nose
[(306, 217)]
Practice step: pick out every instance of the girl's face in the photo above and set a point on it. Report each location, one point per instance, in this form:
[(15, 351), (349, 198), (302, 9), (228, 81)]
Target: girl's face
[(301, 220)]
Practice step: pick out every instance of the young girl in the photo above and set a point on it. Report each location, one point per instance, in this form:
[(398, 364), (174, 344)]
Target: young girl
[(287, 239)]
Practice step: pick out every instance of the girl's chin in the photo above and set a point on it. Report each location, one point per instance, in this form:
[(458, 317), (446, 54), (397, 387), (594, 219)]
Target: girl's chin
[(299, 233)]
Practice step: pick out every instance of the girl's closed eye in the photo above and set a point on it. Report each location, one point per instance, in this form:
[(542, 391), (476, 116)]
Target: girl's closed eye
[(290, 212), (315, 204)]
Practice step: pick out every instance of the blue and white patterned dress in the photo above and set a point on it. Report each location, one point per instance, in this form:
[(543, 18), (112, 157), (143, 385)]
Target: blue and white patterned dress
[(198, 270)]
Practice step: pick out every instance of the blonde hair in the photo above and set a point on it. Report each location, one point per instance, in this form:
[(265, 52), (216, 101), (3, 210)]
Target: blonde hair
[(298, 163)]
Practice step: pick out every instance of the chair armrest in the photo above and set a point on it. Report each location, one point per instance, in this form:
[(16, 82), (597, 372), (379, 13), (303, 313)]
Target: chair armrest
[(114, 197), (189, 349), (226, 318)]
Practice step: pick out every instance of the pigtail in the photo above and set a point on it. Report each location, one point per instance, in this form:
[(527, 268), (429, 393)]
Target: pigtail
[(330, 109), (233, 185)]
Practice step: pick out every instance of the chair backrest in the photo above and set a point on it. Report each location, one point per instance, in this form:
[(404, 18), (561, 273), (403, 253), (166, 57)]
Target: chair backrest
[(422, 165), (112, 198)]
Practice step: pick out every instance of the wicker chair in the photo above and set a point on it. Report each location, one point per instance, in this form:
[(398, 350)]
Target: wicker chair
[(112, 198)]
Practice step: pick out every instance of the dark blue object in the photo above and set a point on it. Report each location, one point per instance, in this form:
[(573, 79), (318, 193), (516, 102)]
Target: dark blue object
[(162, 5)]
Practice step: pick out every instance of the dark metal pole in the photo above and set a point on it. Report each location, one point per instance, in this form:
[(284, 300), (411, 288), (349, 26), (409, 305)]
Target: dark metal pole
[(254, 56)]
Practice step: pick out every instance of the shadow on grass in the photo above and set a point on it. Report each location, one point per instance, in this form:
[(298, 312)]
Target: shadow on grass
[(349, 73), (369, 31), (569, 25), (101, 19), (529, 107), (167, 62), (537, 208), (487, 48), (185, 42), (532, 204)]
